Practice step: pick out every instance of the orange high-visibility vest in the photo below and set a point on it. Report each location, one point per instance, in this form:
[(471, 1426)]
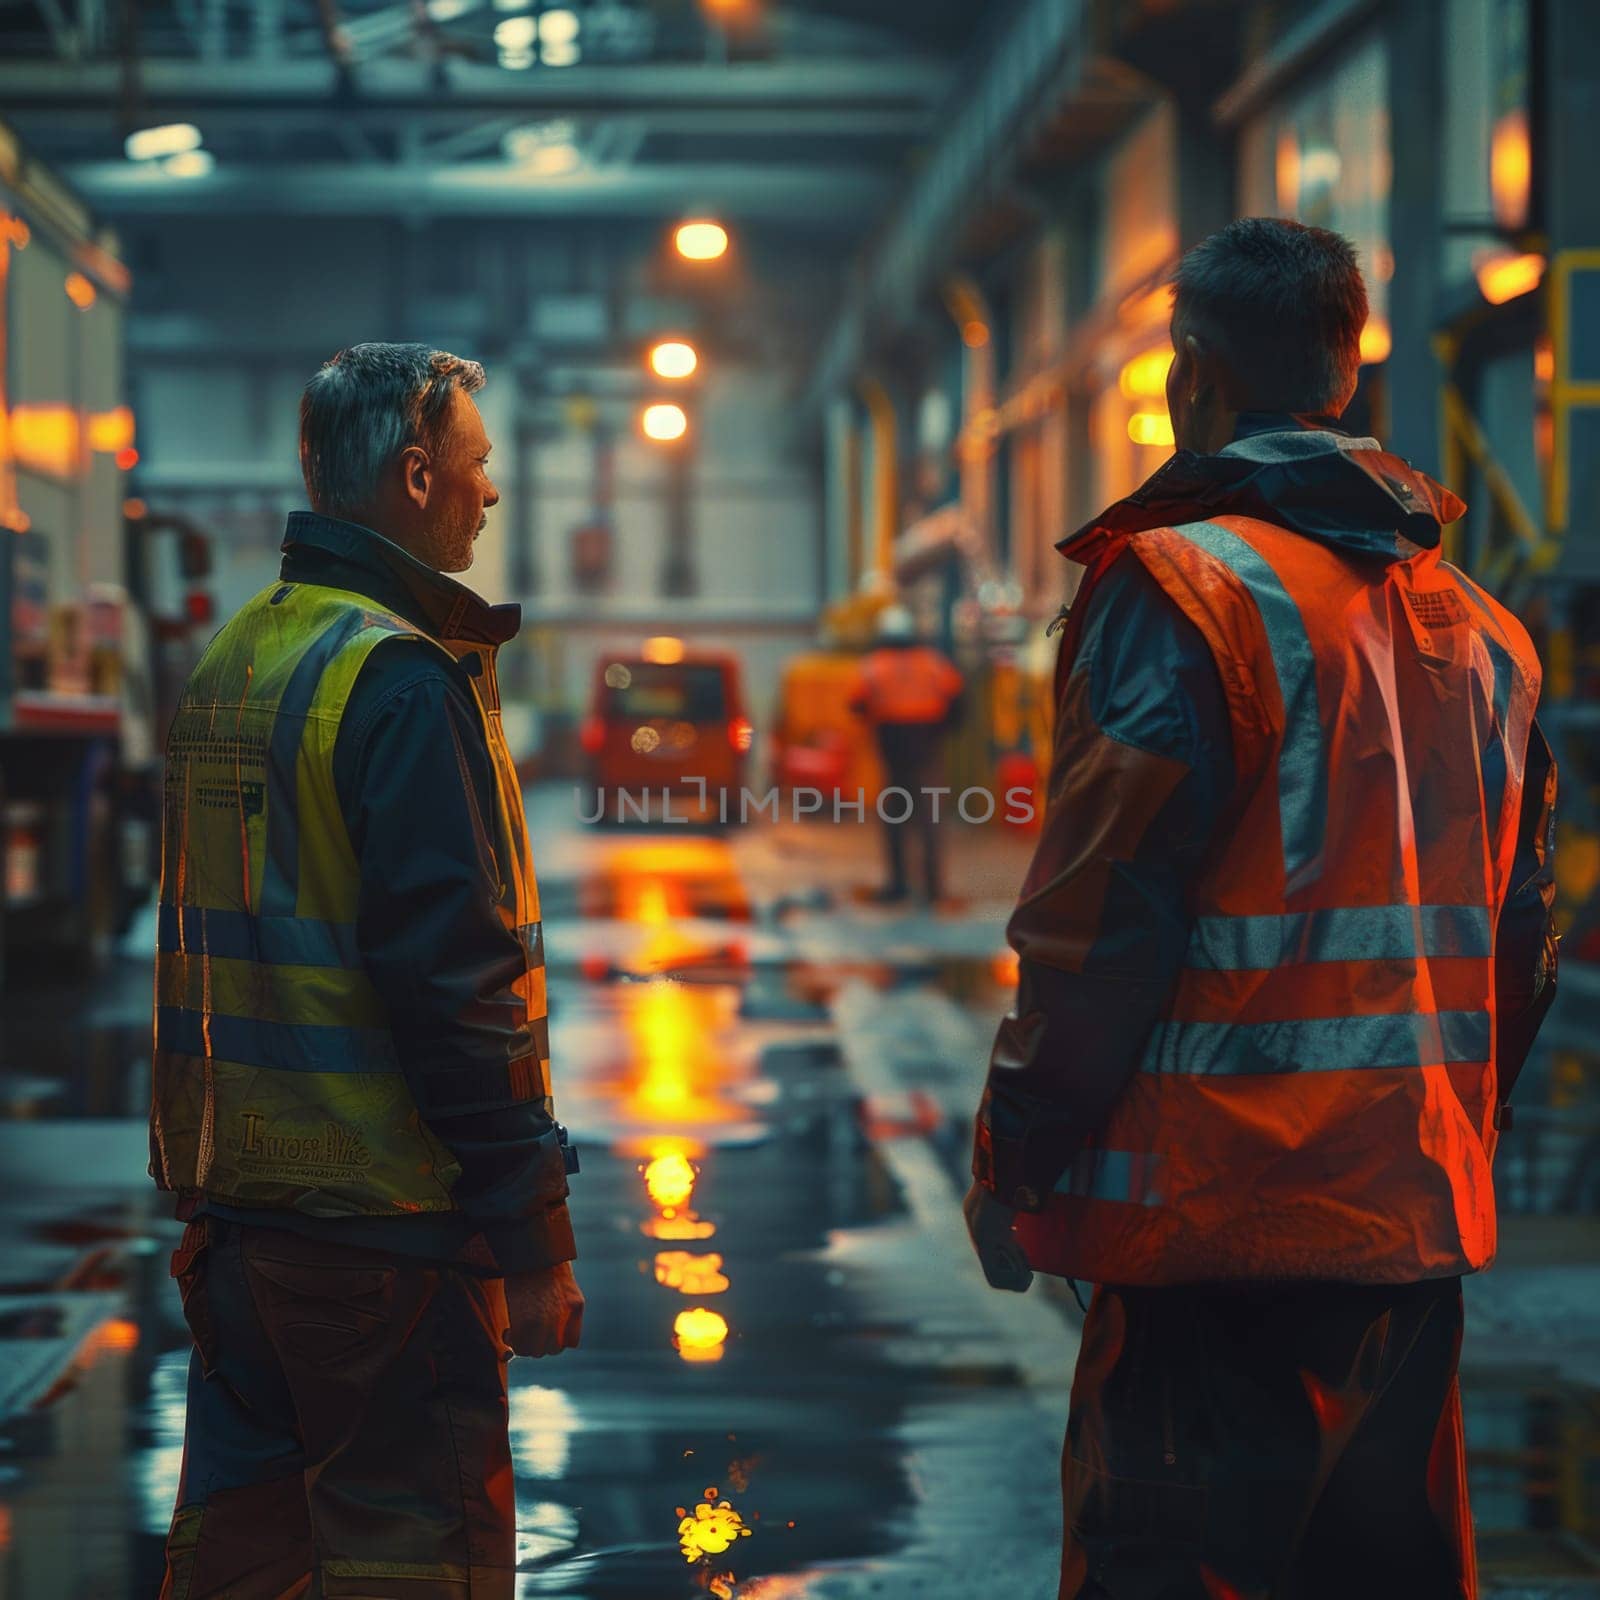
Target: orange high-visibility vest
[(911, 684), (1319, 1098)]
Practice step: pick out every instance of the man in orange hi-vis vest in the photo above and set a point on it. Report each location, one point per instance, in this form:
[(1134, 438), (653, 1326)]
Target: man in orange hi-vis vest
[(1285, 943), (909, 692)]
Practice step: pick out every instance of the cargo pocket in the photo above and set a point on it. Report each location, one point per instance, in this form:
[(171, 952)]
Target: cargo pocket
[(325, 1315), (188, 1270)]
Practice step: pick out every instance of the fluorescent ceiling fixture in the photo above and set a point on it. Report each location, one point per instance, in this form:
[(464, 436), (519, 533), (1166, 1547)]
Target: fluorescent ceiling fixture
[(558, 27), (516, 33), (170, 139), (516, 60), (560, 55), (449, 10), (512, 5), (189, 164)]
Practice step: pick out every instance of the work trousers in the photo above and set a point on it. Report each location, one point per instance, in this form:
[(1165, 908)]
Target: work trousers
[(346, 1431), (911, 753), (1300, 1442)]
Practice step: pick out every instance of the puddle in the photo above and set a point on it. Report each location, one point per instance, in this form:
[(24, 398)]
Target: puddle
[(767, 1329)]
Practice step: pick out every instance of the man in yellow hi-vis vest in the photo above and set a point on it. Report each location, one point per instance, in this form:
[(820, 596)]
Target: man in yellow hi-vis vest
[(351, 1075)]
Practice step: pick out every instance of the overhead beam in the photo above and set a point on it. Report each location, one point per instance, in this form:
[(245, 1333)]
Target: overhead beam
[(1032, 67), (62, 37), (449, 116), (187, 90), (820, 197)]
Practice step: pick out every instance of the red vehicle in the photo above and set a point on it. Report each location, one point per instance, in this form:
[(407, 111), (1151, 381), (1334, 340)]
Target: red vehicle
[(666, 721)]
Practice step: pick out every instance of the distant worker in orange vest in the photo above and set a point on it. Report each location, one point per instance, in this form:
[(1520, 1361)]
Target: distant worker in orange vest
[(1285, 944), (910, 693)]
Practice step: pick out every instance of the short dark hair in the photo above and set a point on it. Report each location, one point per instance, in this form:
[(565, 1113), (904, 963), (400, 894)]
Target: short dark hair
[(365, 406), (1284, 303)]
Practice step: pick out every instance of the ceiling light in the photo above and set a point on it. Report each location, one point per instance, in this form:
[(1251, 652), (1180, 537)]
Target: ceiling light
[(547, 148), (554, 160), (512, 5), (516, 60), (449, 10), (673, 359), (170, 139), (560, 55), (189, 164), (701, 241), (558, 27), (516, 33), (664, 422), (521, 143)]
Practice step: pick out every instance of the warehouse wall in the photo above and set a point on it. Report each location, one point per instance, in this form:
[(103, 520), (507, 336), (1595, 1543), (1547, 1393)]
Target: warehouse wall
[(243, 317)]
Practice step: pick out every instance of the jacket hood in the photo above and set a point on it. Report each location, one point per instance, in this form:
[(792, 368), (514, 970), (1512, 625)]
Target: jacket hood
[(1343, 491)]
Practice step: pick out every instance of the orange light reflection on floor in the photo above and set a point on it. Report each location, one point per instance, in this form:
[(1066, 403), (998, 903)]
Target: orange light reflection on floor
[(699, 1334), (670, 1181), (677, 1229), (690, 1274), (116, 1337), (710, 1530), (676, 1070)]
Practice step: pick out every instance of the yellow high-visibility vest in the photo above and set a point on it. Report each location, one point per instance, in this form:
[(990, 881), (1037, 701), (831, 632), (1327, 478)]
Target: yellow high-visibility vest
[(276, 1080)]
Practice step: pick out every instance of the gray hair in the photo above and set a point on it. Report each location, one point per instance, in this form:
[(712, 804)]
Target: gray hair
[(365, 406)]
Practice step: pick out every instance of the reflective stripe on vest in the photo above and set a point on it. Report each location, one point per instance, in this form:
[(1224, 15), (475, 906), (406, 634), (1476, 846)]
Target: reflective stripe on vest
[(1302, 760), (1349, 933), (281, 880), (277, 1081), (282, 1046), (1319, 1044), (236, 935)]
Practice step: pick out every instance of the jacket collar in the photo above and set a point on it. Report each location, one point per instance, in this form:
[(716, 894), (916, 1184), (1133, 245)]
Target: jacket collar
[(346, 555), (1299, 472)]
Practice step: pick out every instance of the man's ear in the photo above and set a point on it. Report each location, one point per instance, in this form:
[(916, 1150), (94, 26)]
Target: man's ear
[(418, 475), (1211, 397), (1201, 368)]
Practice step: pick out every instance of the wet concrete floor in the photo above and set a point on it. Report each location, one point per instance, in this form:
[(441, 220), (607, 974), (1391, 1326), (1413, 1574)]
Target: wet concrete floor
[(793, 1382)]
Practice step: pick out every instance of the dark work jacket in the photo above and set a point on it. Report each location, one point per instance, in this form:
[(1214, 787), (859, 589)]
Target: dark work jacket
[(1068, 1047), (405, 800)]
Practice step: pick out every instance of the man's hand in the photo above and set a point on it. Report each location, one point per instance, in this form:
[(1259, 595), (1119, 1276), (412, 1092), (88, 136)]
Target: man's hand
[(989, 1224), (546, 1311)]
